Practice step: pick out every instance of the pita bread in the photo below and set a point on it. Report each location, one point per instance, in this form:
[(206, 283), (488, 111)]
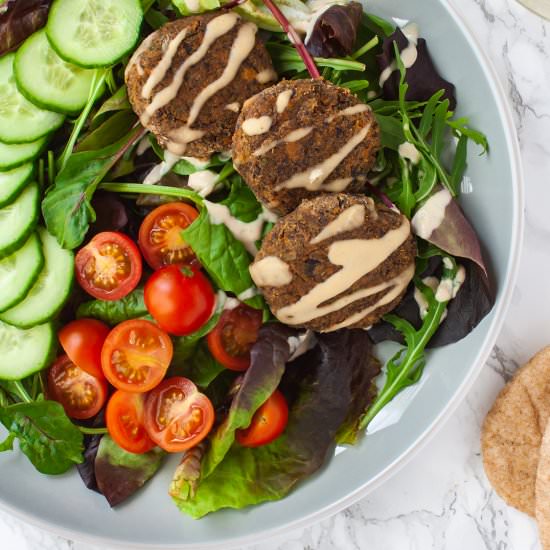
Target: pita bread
[(543, 491), (513, 430)]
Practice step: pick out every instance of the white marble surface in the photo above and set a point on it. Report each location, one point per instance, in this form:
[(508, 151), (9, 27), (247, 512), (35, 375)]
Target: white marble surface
[(441, 500)]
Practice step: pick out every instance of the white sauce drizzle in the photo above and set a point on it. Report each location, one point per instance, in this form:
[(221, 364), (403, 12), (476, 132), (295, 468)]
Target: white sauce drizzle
[(257, 126), (135, 59), (351, 218), (231, 303), (408, 56), (216, 28), (161, 169), (194, 6), (301, 344), (409, 151), (271, 271), (240, 50), (431, 215), (235, 106), (159, 72), (203, 182), (313, 178), (143, 145), (337, 185), (396, 285), (293, 136), (247, 294), (357, 257), (265, 76), (282, 100), (200, 164), (349, 111), (420, 299), (246, 232), (459, 279)]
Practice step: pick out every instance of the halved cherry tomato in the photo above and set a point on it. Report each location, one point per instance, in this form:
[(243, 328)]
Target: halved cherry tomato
[(268, 422), (109, 266), (181, 301), (232, 338), (160, 237), (82, 341), (125, 422), (136, 356), (81, 394), (177, 415)]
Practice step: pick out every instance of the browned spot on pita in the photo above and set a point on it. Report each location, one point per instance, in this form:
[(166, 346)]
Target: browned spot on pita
[(513, 430)]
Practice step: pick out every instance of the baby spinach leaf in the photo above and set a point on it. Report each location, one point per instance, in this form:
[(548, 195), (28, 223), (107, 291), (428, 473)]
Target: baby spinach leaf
[(46, 435), (114, 312), (117, 102), (199, 366), (120, 474), (67, 208)]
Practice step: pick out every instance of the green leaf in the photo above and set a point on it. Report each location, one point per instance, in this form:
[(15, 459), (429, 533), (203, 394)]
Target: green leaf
[(109, 132), (199, 365), (7, 444), (460, 163), (391, 131), (46, 435), (378, 25), (461, 128), (427, 117), (438, 128), (67, 207), (114, 312), (117, 102), (427, 180)]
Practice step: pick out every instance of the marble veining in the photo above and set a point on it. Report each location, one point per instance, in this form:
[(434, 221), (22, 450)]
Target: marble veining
[(441, 500)]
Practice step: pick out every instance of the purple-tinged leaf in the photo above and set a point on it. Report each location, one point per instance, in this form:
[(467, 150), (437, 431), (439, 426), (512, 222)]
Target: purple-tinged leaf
[(111, 214), (19, 19), (441, 222), (423, 78), (335, 31)]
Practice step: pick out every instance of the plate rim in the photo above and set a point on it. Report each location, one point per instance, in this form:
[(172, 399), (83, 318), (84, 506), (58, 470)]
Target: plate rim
[(518, 227)]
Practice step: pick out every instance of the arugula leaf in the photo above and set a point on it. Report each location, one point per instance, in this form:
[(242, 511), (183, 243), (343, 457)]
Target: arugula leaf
[(46, 435), (114, 312), (405, 368), (66, 208)]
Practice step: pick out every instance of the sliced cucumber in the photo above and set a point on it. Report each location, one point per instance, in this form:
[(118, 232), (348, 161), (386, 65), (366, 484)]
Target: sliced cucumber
[(20, 120), (24, 352), (18, 219), (50, 291), (16, 154), (48, 81), (19, 272), (94, 33), (13, 182)]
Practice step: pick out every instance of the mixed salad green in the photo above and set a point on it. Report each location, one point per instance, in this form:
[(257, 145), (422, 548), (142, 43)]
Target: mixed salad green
[(73, 158)]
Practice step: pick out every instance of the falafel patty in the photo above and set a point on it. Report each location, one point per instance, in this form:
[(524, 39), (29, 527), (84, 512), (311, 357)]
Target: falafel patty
[(188, 80), (337, 261), (300, 138)]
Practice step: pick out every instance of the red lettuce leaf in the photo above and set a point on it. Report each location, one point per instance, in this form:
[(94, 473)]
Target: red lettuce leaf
[(472, 303), (321, 393), (19, 19), (335, 31), (423, 78)]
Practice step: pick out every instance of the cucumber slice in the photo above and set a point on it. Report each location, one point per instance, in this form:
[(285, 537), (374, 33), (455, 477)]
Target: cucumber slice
[(13, 182), (50, 291), (48, 81), (94, 33), (19, 272), (18, 219), (20, 120), (12, 156), (24, 352)]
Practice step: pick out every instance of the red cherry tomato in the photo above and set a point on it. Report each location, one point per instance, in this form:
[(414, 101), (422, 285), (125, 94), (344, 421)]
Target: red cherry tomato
[(125, 422), (180, 301), (160, 237), (136, 356), (177, 415), (268, 422), (81, 394), (232, 338), (109, 266), (82, 341)]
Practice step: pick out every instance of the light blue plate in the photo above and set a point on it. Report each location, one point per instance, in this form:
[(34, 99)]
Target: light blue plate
[(495, 207)]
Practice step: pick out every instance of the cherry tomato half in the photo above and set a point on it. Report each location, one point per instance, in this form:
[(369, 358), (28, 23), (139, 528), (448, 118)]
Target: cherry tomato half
[(160, 237), (82, 341), (109, 266), (177, 415), (180, 301), (125, 422), (81, 394), (136, 356), (268, 422), (232, 338)]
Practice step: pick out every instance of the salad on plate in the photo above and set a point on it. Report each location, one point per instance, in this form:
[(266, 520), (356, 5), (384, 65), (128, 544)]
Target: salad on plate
[(210, 215)]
